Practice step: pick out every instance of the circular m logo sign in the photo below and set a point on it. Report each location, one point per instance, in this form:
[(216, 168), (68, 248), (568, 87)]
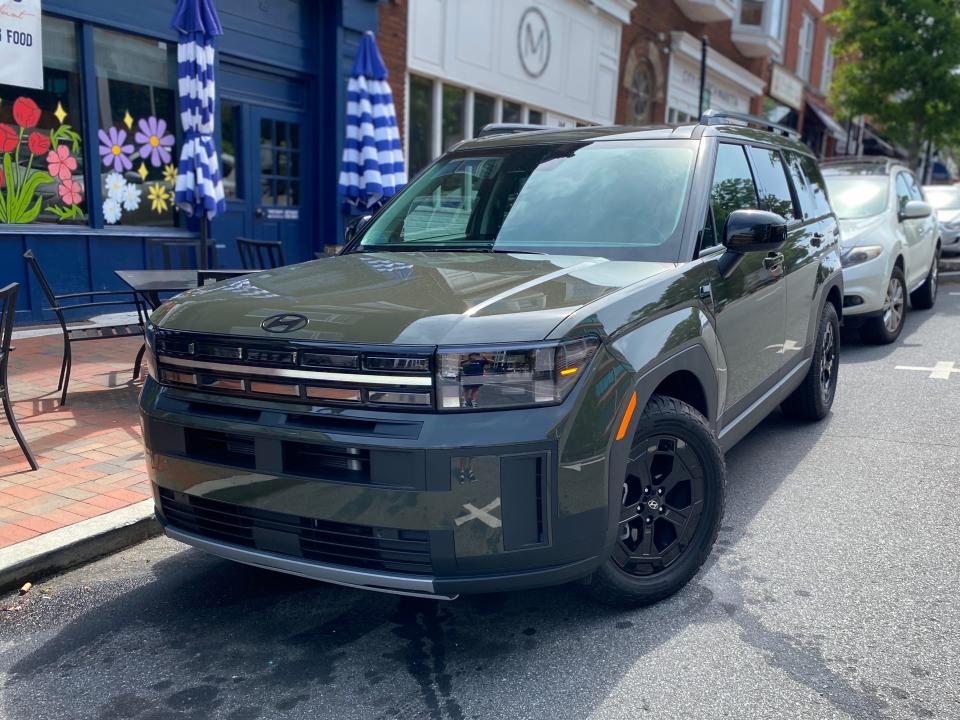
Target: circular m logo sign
[(533, 42)]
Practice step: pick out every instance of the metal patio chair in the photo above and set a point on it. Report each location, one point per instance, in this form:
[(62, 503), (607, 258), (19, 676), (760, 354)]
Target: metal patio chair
[(260, 254), (177, 253), (98, 332), (8, 307)]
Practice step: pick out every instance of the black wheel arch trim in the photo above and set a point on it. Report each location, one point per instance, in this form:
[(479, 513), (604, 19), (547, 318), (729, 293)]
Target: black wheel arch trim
[(693, 359)]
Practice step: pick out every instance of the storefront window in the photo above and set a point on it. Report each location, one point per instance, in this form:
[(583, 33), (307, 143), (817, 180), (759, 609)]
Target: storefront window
[(512, 112), (40, 138), (535, 117), (484, 112), (229, 156), (454, 101), (136, 92), (420, 124)]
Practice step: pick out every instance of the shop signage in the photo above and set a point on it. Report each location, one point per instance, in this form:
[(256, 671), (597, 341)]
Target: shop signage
[(275, 213), (786, 87), (21, 51), (533, 42)]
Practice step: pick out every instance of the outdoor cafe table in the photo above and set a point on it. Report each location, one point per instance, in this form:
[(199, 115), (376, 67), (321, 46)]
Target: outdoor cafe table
[(150, 283)]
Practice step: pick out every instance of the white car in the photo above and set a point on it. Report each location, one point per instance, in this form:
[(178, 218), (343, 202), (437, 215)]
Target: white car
[(889, 244), (946, 204)]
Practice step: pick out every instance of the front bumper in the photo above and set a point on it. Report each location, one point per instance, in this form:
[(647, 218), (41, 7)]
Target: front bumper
[(865, 287), (422, 504)]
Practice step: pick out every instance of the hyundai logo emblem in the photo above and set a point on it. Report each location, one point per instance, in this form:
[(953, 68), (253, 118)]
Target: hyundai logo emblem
[(284, 323), (654, 505)]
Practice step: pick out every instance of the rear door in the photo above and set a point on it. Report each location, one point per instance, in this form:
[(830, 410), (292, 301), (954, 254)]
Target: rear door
[(750, 301), (813, 231), (928, 230)]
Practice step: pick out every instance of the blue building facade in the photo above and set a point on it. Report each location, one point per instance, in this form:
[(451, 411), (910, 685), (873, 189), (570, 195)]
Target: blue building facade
[(103, 137)]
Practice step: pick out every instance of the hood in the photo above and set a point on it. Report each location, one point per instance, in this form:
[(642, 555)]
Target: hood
[(862, 231), (948, 216), (416, 298)]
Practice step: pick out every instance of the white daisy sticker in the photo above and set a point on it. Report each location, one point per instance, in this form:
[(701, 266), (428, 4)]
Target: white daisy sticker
[(131, 197), (115, 185), (111, 211)]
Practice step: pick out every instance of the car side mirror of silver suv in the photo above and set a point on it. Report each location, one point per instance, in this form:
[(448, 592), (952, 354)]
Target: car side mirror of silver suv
[(915, 210), (754, 231)]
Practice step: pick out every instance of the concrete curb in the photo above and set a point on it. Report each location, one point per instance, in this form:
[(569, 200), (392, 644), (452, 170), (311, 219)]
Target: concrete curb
[(68, 547)]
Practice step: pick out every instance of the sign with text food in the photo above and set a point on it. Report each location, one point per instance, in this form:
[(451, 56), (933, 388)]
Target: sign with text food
[(21, 47)]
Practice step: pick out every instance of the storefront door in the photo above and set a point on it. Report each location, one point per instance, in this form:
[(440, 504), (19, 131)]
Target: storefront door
[(266, 172)]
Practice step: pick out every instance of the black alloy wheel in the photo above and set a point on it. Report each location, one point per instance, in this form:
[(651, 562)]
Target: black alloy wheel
[(667, 513), (661, 505), (828, 364)]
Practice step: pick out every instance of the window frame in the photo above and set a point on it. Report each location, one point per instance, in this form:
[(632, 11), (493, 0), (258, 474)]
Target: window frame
[(805, 45), (826, 70)]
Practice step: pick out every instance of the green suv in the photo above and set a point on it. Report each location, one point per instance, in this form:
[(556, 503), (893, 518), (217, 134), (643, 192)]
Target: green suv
[(523, 371)]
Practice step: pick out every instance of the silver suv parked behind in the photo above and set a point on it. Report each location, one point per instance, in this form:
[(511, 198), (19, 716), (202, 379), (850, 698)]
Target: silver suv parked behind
[(890, 244)]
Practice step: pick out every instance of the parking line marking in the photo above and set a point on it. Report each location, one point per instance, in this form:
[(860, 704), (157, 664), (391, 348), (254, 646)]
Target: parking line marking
[(940, 371)]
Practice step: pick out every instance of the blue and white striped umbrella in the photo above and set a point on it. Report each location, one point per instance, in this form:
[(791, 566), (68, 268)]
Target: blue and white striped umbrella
[(372, 168), (199, 187)]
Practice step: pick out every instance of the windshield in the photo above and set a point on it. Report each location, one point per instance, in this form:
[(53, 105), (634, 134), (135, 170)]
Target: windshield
[(943, 197), (855, 197), (615, 199)]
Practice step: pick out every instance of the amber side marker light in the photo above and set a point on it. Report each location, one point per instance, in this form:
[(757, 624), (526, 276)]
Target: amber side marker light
[(569, 371), (625, 423)]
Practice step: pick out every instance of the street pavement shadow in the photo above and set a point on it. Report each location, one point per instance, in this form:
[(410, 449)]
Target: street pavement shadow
[(207, 638)]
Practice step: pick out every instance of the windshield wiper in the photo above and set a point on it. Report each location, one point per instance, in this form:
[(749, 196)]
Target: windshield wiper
[(424, 248)]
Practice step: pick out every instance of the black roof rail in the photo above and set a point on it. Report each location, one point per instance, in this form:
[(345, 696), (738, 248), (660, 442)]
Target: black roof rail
[(510, 128), (721, 117), (864, 160)]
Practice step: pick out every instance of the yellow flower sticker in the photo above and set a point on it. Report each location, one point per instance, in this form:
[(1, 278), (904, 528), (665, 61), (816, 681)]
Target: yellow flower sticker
[(159, 198), (170, 174)]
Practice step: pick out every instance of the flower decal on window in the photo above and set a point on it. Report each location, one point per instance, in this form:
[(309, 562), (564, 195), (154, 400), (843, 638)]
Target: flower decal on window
[(170, 175), (60, 163), (159, 198), (28, 189), (114, 185), (131, 197), (155, 142), (115, 150), (111, 211), (70, 192)]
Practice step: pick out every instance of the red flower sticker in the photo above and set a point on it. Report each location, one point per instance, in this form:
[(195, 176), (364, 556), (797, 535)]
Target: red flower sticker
[(38, 143), (26, 113), (9, 139)]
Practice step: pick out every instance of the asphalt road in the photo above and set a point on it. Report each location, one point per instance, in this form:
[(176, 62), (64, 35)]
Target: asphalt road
[(832, 593)]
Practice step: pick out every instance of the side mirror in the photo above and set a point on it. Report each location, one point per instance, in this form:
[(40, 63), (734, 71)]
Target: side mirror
[(754, 231), (354, 225), (915, 210)]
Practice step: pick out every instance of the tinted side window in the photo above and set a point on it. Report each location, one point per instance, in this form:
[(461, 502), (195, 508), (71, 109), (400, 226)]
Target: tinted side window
[(903, 191), (809, 185), (818, 190), (915, 192), (772, 182), (733, 186)]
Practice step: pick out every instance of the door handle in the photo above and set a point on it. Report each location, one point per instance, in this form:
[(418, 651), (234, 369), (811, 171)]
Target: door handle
[(774, 262), (258, 213), (706, 292), (816, 239)]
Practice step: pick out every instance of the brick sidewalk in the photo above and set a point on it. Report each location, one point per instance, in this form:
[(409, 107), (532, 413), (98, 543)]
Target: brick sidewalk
[(90, 451)]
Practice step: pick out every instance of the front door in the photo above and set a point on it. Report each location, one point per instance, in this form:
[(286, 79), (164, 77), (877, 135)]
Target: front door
[(750, 300)]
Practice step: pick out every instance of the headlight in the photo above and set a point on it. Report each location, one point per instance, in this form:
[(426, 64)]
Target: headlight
[(857, 255), (150, 354), (504, 376)]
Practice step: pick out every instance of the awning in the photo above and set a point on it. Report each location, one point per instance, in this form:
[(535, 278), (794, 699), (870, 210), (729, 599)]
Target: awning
[(832, 126)]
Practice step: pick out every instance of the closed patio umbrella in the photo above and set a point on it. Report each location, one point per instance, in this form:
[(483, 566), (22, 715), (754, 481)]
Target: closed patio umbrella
[(372, 170), (199, 188)]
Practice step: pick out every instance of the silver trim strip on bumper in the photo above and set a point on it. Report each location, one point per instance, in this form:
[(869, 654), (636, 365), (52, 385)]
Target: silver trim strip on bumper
[(413, 586), (249, 370)]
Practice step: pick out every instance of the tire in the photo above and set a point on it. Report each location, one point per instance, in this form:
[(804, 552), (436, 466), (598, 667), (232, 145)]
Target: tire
[(885, 328), (925, 296), (625, 582), (814, 398)]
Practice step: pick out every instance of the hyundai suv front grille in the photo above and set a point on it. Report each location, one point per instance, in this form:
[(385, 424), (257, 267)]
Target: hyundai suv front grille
[(297, 371)]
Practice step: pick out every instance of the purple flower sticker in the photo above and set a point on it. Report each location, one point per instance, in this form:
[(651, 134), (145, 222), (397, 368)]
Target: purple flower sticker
[(154, 140), (113, 150)]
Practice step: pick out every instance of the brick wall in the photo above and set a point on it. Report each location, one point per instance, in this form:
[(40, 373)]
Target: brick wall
[(653, 21), (392, 39)]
